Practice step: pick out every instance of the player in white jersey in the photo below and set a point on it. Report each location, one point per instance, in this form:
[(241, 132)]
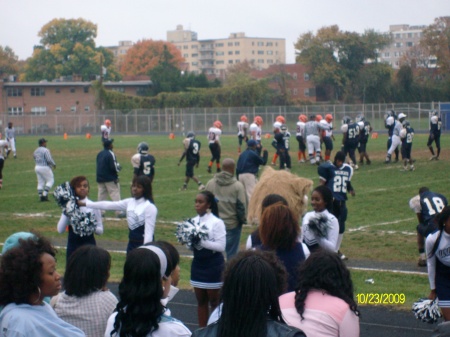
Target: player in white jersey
[(301, 139), (396, 140), (106, 130), (214, 133), (327, 135), (44, 165), (3, 149), (279, 121), (10, 134), (255, 132), (242, 127)]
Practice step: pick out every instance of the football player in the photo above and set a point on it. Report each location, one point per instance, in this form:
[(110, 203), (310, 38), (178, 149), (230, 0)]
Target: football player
[(3, 150), (426, 205), (435, 135), (256, 132), (143, 163), (192, 153), (10, 133), (396, 141), (327, 135), (106, 130), (300, 136), (389, 124), (350, 139), (407, 135), (279, 120), (214, 133), (364, 132), (242, 127), (282, 137), (337, 177)]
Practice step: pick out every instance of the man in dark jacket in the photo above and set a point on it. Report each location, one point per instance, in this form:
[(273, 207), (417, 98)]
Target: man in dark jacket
[(107, 174), (232, 203), (248, 167)]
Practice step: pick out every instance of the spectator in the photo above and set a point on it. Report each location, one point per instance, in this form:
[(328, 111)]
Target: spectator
[(248, 166), (140, 311), (86, 301), (232, 203), (108, 174), (323, 302), (250, 300), (28, 275), (44, 165)]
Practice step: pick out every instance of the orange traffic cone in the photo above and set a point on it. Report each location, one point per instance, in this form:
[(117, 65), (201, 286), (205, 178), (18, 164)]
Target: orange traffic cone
[(65, 136), (171, 136), (88, 135)]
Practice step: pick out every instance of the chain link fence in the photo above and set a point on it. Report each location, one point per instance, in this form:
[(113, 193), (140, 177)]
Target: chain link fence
[(182, 120)]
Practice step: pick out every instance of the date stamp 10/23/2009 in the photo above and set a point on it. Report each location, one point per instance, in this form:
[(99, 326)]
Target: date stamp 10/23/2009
[(381, 298)]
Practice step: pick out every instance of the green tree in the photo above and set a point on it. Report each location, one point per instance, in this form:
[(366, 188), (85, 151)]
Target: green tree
[(374, 83), (336, 57), (8, 61), (166, 77), (68, 48)]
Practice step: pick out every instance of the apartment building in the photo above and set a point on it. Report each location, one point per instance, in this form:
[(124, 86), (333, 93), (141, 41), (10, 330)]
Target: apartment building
[(404, 37), (291, 79), (41, 107), (214, 56)]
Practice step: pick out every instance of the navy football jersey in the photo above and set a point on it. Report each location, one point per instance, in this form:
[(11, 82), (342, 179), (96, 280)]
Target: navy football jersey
[(146, 165), (336, 178), (431, 204), (365, 132), (193, 151), (352, 133)]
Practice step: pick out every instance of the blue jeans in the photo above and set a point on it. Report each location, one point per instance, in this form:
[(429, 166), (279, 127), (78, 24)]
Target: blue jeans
[(233, 238)]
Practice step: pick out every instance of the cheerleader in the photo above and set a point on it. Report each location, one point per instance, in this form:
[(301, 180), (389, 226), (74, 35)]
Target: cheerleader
[(208, 263), (320, 228), (438, 261), (80, 187)]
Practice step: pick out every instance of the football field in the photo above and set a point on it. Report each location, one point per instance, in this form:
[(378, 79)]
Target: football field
[(380, 226)]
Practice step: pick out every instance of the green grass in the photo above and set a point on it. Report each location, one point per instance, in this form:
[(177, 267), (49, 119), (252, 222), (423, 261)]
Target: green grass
[(380, 225)]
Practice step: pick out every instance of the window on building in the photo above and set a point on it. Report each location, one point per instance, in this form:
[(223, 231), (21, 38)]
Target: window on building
[(270, 61), (409, 44), (73, 108), (220, 62), (57, 90), (398, 45), (397, 63), (230, 61), (295, 92), (294, 76), (230, 52), (194, 46), (185, 47), (236, 43), (237, 52), (260, 61), (410, 34), (386, 54), (220, 53), (194, 55), (269, 44), (15, 111), (195, 63), (72, 90), (397, 36), (270, 52), (219, 44), (260, 44), (185, 55), (86, 90), (119, 89), (237, 61), (14, 92), (36, 91), (260, 52), (306, 92), (87, 108), (306, 76), (230, 44), (39, 111), (58, 109)]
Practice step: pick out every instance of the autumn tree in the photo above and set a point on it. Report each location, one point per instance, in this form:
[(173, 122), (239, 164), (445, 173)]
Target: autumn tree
[(68, 48), (8, 62), (436, 37), (144, 55)]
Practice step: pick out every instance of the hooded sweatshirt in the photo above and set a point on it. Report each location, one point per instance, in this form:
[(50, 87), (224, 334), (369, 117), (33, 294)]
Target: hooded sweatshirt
[(231, 197)]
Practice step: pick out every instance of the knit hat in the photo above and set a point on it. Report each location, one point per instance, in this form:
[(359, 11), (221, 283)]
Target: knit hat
[(13, 240)]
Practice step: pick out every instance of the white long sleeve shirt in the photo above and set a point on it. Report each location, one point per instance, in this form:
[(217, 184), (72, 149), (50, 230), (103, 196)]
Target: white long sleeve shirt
[(442, 253), (216, 232), (64, 220), (329, 242)]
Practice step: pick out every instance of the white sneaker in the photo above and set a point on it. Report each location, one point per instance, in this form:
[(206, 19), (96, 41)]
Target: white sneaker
[(356, 167), (302, 160), (433, 158), (201, 187), (412, 168)]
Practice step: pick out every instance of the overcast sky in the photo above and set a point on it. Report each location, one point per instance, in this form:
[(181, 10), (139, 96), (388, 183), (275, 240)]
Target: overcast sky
[(135, 20)]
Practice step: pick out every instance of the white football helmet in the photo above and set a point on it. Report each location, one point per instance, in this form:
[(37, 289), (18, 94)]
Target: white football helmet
[(390, 121)]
